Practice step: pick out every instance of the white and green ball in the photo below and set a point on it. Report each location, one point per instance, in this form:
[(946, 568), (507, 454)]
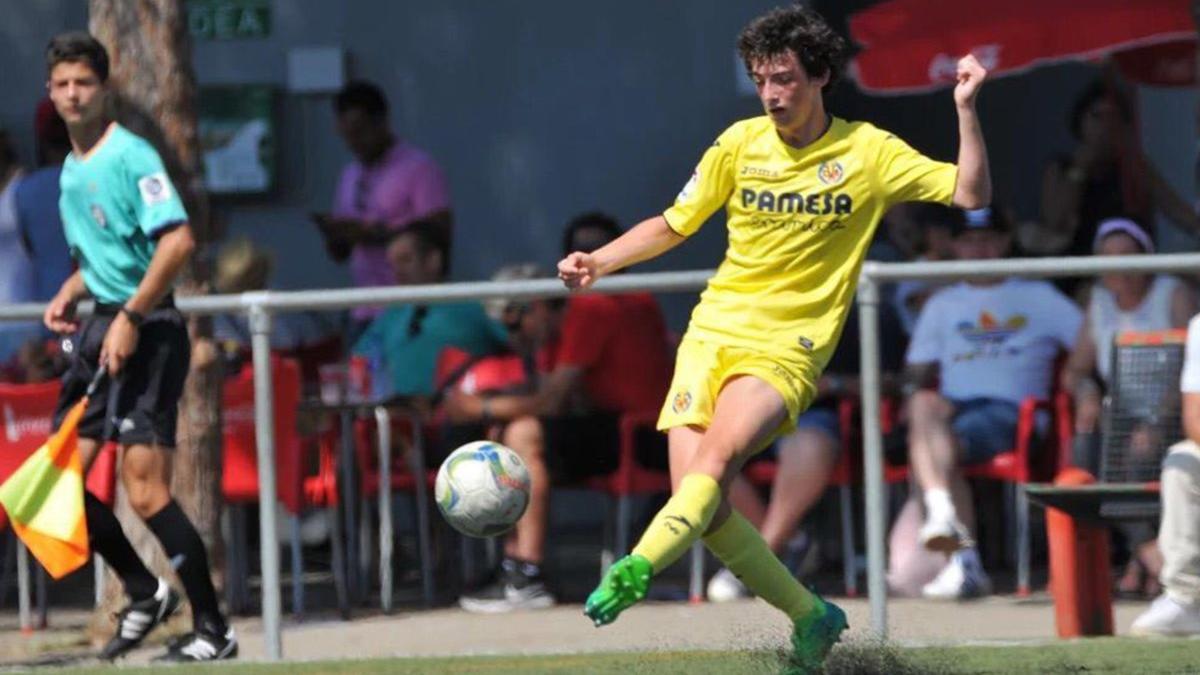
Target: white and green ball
[(482, 489)]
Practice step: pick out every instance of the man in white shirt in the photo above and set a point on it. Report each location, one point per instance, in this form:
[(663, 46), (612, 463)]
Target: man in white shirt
[(978, 349), (1177, 610)]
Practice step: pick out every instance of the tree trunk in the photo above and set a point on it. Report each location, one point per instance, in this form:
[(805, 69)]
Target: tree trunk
[(151, 73)]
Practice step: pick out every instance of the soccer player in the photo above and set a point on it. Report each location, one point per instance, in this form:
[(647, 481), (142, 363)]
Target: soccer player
[(803, 192), (127, 229)]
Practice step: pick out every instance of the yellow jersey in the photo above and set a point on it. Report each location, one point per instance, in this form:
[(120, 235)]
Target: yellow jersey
[(800, 221)]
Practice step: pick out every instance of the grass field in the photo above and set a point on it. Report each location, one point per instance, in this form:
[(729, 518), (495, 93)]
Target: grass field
[(1112, 655)]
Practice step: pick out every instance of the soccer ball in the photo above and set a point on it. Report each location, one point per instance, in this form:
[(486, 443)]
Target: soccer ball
[(482, 489)]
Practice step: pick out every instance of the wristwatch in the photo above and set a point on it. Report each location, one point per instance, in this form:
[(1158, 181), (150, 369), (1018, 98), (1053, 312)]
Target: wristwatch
[(135, 318)]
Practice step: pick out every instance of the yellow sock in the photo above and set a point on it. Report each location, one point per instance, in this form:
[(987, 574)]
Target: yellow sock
[(680, 522), (743, 550)]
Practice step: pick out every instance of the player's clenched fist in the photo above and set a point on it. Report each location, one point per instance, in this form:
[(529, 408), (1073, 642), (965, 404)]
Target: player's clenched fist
[(577, 270), (970, 75)]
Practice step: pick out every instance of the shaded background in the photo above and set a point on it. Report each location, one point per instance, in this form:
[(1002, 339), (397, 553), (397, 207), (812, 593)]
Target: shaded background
[(537, 110)]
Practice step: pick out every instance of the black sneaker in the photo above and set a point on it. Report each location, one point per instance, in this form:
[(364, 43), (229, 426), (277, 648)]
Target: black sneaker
[(517, 586), (202, 645), (138, 618)]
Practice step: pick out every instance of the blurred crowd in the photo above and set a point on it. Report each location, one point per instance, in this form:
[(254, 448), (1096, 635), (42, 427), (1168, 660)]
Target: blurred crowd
[(552, 378)]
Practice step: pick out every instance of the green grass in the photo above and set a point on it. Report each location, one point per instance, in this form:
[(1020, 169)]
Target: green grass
[(1111, 655)]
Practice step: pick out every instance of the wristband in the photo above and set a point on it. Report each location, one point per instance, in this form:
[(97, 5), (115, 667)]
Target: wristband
[(135, 318)]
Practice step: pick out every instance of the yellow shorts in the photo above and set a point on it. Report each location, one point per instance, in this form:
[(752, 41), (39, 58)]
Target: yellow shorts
[(703, 368)]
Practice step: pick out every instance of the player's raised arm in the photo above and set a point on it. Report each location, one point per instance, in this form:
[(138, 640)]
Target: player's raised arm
[(974, 187), (648, 239)]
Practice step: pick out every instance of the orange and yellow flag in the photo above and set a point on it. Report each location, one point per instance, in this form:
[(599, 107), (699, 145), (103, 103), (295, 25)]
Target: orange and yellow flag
[(44, 500)]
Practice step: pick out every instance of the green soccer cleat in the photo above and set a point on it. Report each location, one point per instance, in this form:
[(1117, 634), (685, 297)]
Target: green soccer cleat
[(813, 637), (624, 584)]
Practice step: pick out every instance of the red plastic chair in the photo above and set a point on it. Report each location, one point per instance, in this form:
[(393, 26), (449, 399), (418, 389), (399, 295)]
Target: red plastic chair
[(369, 456), (27, 411), (410, 477), (239, 478), (1019, 467), (632, 478), (762, 473)]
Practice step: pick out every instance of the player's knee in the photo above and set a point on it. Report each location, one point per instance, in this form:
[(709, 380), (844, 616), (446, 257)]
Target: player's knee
[(926, 406), (524, 435), (806, 443), (147, 498), (715, 460)]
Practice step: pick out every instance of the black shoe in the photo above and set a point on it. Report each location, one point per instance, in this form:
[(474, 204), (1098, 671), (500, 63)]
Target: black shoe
[(202, 645), (138, 618), (517, 586)]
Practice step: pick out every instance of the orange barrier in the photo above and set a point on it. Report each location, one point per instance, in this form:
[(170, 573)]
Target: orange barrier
[(1080, 577)]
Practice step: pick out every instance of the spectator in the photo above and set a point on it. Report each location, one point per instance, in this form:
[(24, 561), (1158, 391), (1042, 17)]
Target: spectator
[(1106, 175), (37, 205), (390, 184), (1177, 610), (989, 344), (934, 225), (1121, 302), (16, 269), (611, 358), (807, 456), (404, 342), (241, 267)]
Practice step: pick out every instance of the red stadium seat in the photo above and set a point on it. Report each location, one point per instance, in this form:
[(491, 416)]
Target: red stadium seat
[(632, 478), (239, 478), (1021, 465), (27, 412), (402, 478)]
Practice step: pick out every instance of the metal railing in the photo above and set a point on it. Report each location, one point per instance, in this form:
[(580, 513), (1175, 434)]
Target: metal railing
[(260, 306)]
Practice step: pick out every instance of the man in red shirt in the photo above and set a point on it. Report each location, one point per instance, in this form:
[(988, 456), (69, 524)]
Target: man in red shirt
[(611, 358)]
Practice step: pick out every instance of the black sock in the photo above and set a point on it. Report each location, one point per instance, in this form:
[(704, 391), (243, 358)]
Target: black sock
[(108, 539), (184, 547)]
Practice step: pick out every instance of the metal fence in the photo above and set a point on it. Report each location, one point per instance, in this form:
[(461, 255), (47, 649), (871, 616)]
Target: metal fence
[(260, 306)]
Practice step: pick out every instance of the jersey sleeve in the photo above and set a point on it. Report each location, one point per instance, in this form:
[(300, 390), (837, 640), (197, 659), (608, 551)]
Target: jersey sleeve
[(905, 175), (156, 203), (709, 187)]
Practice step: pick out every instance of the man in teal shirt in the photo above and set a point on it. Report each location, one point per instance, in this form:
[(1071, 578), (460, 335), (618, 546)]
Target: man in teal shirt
[(405, 342), (127, 228)]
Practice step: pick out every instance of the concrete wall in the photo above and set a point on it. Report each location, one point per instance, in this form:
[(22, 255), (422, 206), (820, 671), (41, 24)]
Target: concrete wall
[(538, 110)]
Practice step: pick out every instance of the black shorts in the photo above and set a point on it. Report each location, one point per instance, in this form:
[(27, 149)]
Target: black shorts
[(577, 446), (141, 405)]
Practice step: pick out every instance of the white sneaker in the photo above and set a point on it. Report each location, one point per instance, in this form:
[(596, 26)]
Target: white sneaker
[(958, 581), (725, 587), (945, 533), (1167, 616)]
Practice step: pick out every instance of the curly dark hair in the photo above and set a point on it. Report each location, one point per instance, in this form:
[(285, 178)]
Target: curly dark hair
[(78, 47), (592, 219), (818, 48)]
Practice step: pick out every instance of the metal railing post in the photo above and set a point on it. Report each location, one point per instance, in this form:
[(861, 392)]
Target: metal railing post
[(264, 425), (874, 489)]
